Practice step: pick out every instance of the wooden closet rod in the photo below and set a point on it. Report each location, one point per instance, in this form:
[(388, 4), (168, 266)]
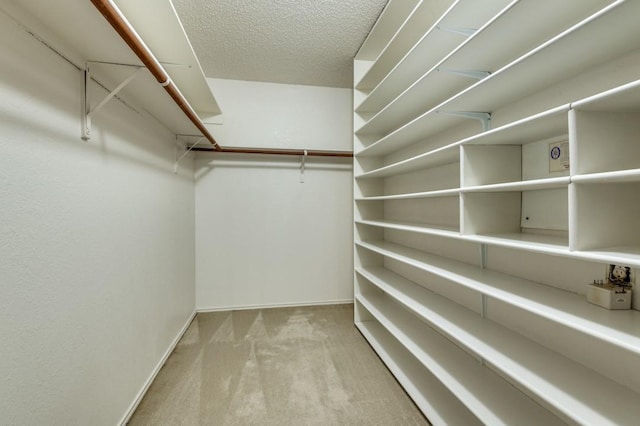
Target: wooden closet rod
[(279, 151), (119, 23)]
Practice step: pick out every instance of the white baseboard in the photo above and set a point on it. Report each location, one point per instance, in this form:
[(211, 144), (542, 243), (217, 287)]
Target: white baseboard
[(273, 305), (154, 373)]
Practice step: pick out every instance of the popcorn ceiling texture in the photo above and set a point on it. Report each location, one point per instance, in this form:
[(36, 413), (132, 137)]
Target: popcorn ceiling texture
[(309, 42)]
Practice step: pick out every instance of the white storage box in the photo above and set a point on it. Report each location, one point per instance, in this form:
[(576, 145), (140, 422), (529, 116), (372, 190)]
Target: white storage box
[(608, 296)]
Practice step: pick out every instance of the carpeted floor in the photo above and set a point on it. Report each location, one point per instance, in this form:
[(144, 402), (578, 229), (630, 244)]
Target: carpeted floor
[(285, 366)]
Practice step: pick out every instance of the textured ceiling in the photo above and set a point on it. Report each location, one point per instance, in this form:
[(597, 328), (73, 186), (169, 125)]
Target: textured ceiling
[(310, 42)]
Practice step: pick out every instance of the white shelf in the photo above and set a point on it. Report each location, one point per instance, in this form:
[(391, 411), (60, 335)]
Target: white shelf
[(608, 33), (165, 36), (544, 125), (411, 196), (626, 255), (527, 23), (625, 98), (424, 15), (445, 155), (438, 404), (619, 176), (568, 388), (546, 244), (599, 223), (605, 140), (431, 49), (621, 328), (159, 26), (534, 128), (531, 185), (410, 227), (467, 379), (392, 16)]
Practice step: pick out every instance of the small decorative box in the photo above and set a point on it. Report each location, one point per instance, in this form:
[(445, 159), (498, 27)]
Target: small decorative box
[(608, 296)]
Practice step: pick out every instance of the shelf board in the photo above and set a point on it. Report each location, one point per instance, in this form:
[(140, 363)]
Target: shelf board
[(625, 255), (416, 228), (618, 176), (438, 404), (566, 387), (445, 155), (404, 40), (619, 328), (419, 128), (547, 244), (528, 23), (529, 185), (430, 50), (165, 36), (541, 126), (609, 31), (391, 17), (99, 42), (415, 195), (625, 98), (460, 373)]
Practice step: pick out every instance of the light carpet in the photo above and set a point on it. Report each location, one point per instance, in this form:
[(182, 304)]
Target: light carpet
[(284, 366)]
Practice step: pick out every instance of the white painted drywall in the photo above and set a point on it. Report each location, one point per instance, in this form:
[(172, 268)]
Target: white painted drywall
[(96, 245), (282, 115), (262, 237)]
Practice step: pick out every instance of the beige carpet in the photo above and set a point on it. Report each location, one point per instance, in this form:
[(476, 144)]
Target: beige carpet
[(286, 366)]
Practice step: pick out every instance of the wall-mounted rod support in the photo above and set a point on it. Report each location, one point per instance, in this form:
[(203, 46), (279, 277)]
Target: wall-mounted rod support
[(121, 25), (177, 163), (87, 111), (85, 119), (302, 164), (113, 93)]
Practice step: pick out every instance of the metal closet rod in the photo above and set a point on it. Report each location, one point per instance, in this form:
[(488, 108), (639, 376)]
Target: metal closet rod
[(119, 23)]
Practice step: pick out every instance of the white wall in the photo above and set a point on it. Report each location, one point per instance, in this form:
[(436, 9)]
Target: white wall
[(262, 237), (96, 245), (282, 115)]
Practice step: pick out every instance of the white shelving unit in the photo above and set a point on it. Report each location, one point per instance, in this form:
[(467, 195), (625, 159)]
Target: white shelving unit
[(460, 373), (460, 226), (427, 392), (462, 66), (608, 31), (411, 30), (604, 129), (567, 388), (437, 42)]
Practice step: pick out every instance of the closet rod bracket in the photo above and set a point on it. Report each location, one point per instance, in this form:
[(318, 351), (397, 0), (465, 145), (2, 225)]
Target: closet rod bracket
[(302, 165), (87, 111), (177, 163)]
